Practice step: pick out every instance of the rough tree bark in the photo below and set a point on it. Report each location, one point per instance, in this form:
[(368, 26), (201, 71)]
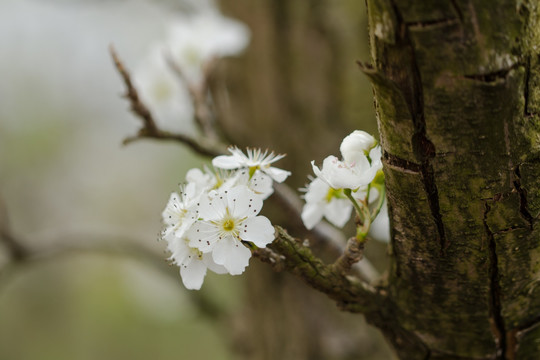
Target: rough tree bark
[(457, 87)]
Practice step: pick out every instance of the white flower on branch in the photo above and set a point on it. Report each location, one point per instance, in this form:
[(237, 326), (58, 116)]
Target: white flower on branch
[(181, 211), (192, 262), (322, 200), (349, 175), (164, 94), (227, 219), (195, 40), (356, 145), (255, 160)]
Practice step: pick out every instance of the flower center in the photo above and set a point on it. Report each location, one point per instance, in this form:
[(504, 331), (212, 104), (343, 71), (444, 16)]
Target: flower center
[(228, 225), (334, 193), (252, 170)]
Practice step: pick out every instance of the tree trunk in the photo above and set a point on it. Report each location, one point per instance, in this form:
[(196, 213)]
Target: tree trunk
[(457, 88)]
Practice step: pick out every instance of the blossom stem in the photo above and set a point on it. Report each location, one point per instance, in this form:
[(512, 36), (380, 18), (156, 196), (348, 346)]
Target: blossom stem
[(363, 214), (359, 212), (382, 197)]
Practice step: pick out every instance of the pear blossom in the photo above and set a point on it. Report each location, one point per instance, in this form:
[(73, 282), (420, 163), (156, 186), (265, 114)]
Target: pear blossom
[(355, 145), (259, 183), (192, 262), (322, 200), (343, 175), (181, 211), (166, 97), (255, 160), (194, 40), (227, 219)]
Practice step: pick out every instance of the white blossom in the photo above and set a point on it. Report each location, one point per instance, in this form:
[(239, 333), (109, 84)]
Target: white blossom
[(194, 40), (227, 219), (259, 183), (181, 211), (163, 93), (355, 145), (192, 262), (322, 200), (254, 160), (343, 175)]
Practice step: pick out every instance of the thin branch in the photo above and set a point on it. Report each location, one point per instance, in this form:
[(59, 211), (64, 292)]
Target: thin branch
[(354, 252), (137, 105)]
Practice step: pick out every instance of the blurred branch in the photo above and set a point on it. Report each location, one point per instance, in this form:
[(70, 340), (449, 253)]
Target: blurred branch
[(15, 249), (64, 246), (289, 200), (150, 129), (198, 94)]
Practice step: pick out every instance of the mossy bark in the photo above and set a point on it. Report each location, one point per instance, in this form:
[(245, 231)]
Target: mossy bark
[(457, 88)]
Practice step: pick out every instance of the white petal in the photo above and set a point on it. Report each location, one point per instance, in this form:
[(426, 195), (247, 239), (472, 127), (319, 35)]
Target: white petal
[(232, 254), (312, 214), (261, 184), (355, 145), (338, 212), (316, 191), (278, 175), (211, 265), (202, 236), (380, 227), (193, 274), (213, 208), (243, 202), (258, 230), (179, 249), (228, 162)]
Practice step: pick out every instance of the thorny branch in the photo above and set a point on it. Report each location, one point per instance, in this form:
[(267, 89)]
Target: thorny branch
[(211, 147)]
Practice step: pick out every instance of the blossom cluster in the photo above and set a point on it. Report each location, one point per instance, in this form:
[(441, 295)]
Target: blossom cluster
[(215, 217), (173, 64), (340, 185)]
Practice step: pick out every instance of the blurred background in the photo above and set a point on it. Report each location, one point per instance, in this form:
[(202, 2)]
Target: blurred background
[(98, 284)]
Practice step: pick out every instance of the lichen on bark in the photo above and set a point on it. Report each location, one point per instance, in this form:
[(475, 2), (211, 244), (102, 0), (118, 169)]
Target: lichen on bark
[(456, 86)]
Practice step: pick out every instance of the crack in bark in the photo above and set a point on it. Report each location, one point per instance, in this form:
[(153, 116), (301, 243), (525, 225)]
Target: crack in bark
[(494, 76), (526, 87), (457, 9), (402, 164), (430, 24), (412, 88), (495, 308), (523, 204)]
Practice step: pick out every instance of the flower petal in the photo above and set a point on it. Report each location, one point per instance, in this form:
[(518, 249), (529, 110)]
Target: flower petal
[(278, 175), (213, 208), (242, 202), (312, 214), (316, 191), (232, 254), (228, 162), (193, 274), (211, 265), (258, 230), (261, 184), (338, 212), (202, 236)]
